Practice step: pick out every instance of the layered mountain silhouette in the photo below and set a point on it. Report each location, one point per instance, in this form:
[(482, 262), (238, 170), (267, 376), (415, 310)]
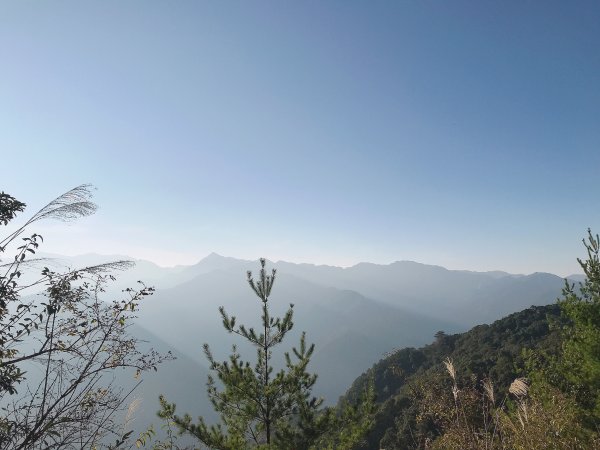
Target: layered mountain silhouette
[(354, 315)]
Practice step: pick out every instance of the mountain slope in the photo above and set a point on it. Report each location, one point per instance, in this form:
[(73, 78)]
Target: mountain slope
[(493, 351), (465, 297), (367, 306), (327, 315)]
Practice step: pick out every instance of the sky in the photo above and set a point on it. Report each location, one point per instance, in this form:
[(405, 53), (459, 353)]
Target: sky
[(463, 133)]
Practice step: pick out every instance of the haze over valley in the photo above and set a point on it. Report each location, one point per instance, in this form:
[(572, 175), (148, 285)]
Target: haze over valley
[(354, 315)]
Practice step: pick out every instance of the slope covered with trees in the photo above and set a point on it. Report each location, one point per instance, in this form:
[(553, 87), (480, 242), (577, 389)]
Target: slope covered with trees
[(494, 351)]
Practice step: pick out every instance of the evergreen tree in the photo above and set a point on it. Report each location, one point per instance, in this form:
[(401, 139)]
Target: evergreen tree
[(257, 406), (264, 409)]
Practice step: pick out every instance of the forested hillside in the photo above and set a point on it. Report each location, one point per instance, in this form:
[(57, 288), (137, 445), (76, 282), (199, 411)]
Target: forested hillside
[(494, 351)]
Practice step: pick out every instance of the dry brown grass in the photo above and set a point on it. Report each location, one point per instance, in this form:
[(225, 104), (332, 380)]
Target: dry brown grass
[(469, 416)]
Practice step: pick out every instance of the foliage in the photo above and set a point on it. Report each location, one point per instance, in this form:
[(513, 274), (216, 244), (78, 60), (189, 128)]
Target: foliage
[(492, 351), (579, 364), (59, 350), (264, 409), (470, 416), (350, 424)]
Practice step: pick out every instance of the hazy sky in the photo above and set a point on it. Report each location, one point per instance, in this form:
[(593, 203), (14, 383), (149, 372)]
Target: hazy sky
[(465, 134)]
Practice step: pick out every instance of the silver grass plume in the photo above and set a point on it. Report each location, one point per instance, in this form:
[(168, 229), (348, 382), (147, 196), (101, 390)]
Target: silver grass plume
[(107, 267), (450, 368), (69, 206), (452, 372), (519, 387), (488, 388)]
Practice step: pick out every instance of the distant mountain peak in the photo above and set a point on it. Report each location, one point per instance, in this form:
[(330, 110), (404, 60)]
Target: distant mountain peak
[(214, 255), (215, 261)]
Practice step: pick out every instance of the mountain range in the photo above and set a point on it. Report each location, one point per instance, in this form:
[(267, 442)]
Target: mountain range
[(354, 315)]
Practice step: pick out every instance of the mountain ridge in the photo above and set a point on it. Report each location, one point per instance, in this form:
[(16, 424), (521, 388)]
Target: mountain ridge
[(217, 257), (377, 307)]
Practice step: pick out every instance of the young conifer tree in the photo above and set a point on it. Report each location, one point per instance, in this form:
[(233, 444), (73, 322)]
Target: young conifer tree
[(260, 408)]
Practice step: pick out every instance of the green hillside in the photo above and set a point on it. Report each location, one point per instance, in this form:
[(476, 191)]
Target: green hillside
[(494, 351)]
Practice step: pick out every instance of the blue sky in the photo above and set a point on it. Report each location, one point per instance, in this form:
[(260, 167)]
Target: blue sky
[(465, 134)]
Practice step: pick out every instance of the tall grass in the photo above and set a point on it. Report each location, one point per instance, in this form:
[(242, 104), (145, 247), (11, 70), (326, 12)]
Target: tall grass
[(469, 415)]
